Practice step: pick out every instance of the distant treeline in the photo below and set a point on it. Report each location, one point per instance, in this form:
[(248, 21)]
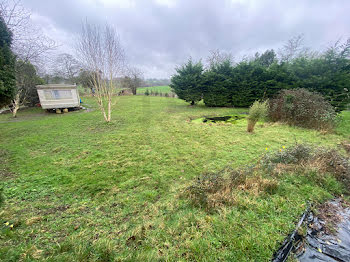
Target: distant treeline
[(224, 83)]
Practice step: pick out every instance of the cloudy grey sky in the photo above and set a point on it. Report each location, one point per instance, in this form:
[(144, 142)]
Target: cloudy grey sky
[(157, 35)]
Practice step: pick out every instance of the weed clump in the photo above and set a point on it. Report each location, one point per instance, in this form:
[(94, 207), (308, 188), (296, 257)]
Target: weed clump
[(291, 155), (257, 111), (213, 190), (303, 108), (331, 161), (307, 157)]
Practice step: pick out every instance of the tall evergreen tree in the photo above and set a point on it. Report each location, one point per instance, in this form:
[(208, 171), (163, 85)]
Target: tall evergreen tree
[(218, 85), (7, 65), (186, 82)]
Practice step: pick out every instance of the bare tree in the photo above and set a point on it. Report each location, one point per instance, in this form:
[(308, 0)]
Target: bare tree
[(293, 48), (100, 51), (26, 79), (133, 79), (29, 43), (216, 57), (67, 66)]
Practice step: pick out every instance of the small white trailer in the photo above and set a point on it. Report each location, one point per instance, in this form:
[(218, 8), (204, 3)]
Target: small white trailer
[(58, 96)]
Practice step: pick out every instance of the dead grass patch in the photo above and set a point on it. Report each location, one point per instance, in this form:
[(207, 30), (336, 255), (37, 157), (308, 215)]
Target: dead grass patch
[(303, 157), (216, 190), (212, 191), (33, 220)]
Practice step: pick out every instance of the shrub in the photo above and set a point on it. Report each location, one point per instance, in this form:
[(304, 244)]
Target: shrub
[(302, 108), (304, 156), (213, 190), (290, 155), (257, 111), (331, 161), (147, 92)]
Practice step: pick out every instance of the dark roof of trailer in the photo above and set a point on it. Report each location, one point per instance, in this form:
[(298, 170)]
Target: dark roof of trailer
[(56, 86)]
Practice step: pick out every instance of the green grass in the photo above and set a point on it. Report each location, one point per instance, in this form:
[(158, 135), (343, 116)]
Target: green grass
[(159, 89), (78, 189)]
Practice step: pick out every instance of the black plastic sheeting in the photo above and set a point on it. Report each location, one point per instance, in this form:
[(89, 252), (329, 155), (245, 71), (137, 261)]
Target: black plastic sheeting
[(319, 245)]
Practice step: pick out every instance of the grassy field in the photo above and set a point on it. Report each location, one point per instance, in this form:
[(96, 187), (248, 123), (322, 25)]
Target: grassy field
[(78, 189), (159, 89)]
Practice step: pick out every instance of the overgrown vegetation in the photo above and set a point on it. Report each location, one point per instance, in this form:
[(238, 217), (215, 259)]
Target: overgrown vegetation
[(258, 111), (219, 189), (302, 108), (321, 159)]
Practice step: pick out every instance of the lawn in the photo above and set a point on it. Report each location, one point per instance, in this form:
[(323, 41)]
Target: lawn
[(78, 189), (159, 89)]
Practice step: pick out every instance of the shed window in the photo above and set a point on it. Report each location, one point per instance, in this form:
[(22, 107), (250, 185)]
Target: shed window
[(57, 94)]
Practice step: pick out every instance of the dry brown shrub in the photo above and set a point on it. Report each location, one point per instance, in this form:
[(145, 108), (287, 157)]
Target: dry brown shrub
[(346, 146), (300, 107), (257, 184), (305, 157), (211, 191), (331, 161)]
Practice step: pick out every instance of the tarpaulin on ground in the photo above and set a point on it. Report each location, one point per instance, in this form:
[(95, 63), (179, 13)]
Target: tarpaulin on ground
[(327, 236)]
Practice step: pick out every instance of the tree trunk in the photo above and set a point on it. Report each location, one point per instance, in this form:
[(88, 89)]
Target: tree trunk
[(251, 125), (15, 105), (109, 109), (192, 103)]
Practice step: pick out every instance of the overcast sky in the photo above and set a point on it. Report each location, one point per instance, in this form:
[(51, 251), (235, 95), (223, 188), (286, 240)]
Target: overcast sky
[(157, 35)]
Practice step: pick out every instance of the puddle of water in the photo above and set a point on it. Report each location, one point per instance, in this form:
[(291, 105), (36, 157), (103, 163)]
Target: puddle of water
[(218, 119)]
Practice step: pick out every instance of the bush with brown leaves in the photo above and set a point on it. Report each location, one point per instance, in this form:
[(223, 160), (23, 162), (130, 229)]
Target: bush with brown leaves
[(303, 108)]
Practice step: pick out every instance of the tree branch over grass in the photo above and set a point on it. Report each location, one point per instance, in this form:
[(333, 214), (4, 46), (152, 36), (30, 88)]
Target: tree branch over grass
[(99, 51)]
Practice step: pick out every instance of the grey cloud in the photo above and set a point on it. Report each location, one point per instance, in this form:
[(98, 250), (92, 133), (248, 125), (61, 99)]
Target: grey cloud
[(157, 37)]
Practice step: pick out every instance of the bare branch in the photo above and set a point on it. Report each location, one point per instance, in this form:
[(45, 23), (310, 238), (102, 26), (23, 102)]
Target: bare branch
[(216, 57), (99, 51), (66, 66), (29, 43)]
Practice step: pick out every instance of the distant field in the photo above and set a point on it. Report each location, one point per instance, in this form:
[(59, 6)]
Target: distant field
[(159, 89)]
